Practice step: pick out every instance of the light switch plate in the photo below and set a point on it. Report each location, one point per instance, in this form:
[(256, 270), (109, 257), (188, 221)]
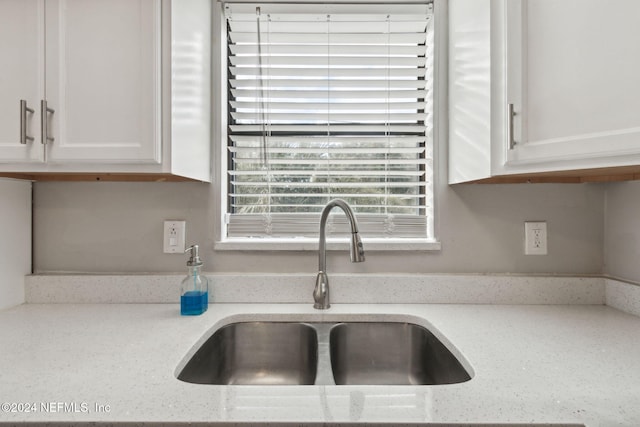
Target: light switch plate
[(535, 238), (174, 237)]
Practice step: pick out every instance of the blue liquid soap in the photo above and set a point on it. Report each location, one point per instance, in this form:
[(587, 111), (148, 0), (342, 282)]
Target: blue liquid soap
[(193, 303)]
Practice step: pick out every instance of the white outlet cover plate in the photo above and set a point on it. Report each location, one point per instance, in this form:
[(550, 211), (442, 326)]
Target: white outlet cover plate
[(535, 238), (174, 237)]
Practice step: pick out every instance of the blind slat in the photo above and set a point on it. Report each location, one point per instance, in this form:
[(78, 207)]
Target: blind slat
[(321, 39), (335, 73), (359, 184), (362, 173), (248, 200), (335, 85), (351, 105), (320, 161), (247, 151), (323, 95), (335, 129), (333, 116), (313, 141), (362, 50), (335, 62)]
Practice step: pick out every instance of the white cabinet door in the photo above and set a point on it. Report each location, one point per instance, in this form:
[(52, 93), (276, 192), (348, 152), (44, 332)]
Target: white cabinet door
[(580, 98), (478, 87), (568, 67), (103, 80), (21, 78)]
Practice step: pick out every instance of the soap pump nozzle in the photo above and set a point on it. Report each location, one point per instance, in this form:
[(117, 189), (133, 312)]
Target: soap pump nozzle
[(194, 259)]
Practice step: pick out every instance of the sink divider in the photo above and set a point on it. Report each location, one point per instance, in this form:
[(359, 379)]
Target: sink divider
[(324, 374)]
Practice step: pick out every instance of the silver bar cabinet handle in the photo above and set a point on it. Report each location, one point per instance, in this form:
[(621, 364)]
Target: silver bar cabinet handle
[(24, 138), (510, 115), (44, 110)]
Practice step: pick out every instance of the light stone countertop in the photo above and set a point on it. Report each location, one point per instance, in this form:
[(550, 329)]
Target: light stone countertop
[(531, 364)]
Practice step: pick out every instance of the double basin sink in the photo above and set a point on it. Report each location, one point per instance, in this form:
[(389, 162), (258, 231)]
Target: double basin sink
[(349, 353)]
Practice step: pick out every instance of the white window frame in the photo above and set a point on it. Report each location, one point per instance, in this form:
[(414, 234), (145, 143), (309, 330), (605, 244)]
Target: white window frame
[(219, 137)]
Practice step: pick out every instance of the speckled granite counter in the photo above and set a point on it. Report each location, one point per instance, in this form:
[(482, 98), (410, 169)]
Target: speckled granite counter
[(117, 363)]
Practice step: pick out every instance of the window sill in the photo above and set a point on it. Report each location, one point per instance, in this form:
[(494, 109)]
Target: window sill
[(307, 244)]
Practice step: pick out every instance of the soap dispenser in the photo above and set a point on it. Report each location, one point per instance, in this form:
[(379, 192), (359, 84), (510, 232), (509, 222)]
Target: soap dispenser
[(194, 292)]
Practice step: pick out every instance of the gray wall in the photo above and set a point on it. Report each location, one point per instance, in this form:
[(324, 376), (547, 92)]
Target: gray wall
[(15, 243), (117, 227), (622, 231)]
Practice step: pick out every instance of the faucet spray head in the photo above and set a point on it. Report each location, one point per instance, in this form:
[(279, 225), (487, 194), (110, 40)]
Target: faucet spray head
[(356, 249)]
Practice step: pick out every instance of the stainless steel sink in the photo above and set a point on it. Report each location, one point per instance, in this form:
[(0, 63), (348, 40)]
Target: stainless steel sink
[(294, 353), (391, 353), (256, 353)]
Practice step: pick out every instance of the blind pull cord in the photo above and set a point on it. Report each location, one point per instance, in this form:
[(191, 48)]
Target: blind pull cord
[(262, 113)]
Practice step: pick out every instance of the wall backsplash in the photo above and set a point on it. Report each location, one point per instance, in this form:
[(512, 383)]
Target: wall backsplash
[(110, 227), (622, 231)]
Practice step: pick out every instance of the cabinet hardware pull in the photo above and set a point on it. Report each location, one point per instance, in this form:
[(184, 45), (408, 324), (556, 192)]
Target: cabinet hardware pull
[(510, 115), (24, 138), (44, 124)]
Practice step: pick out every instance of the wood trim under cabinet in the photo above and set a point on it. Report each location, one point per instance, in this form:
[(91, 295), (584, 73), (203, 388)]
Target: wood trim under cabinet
[(612, 174), (108, 177)]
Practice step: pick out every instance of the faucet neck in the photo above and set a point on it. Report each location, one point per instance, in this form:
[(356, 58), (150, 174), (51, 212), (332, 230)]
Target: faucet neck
[(322, 253)]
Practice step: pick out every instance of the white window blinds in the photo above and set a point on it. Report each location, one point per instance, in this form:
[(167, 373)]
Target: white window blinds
[(328, 101)]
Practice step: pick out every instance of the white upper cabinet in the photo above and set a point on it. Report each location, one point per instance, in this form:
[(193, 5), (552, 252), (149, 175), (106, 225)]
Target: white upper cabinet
[(567, 67), (103, 80), (21, 79), (111, 73), (580, 101)]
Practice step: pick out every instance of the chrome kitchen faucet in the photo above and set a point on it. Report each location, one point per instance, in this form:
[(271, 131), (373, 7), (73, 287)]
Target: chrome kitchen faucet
[(321, 291)]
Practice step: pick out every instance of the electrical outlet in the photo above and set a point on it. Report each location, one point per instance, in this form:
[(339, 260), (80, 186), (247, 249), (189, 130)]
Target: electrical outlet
[(535, 238), (174, 237)]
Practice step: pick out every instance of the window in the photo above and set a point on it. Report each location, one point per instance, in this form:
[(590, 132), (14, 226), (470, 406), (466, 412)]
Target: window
[(329, 101)]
